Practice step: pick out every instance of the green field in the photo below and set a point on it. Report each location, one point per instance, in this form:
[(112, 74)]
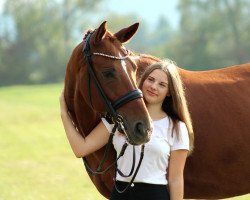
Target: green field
[(36, 162)]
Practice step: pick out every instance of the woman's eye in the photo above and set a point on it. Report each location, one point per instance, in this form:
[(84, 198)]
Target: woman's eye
[(164, 85)]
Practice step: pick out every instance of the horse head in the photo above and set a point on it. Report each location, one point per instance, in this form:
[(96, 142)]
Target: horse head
[(104, 78)]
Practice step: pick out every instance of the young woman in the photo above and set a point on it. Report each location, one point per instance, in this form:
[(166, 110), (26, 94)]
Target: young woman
[(167, 150)]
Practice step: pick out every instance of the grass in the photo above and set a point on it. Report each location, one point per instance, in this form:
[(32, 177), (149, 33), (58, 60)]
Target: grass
[(36, 161)]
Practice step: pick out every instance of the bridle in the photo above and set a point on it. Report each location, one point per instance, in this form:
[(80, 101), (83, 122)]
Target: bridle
[(111, 108)]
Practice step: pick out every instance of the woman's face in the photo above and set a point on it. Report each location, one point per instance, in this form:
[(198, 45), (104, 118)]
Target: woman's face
[(155, 87)]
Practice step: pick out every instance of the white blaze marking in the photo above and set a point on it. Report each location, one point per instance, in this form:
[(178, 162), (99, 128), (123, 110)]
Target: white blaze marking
[(123, 63)]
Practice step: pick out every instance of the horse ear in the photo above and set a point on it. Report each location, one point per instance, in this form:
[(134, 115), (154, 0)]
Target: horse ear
[(100, 32), (125, 34)]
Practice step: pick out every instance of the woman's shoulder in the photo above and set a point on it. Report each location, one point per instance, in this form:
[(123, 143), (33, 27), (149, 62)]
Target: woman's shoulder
[(181, 141), (179, 123), (182, 124)]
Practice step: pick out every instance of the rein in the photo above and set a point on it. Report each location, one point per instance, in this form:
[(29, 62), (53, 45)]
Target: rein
[(132, 169), (111, 108)]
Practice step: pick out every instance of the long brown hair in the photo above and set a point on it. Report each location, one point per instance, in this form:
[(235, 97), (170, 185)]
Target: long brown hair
[(174, 105)]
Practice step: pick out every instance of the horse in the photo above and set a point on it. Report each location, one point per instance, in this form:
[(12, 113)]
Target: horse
[(100, 80), (219, 104)]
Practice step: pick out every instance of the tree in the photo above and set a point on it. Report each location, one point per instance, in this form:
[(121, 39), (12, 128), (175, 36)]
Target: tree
[(44, 36), (161, 37), (212, 34)]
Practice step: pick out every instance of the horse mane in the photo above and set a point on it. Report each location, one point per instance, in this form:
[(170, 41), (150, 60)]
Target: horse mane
[(147, 56), (87, 33)]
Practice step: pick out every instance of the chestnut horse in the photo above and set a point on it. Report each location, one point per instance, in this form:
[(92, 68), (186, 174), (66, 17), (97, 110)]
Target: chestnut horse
[(101, 78), (219, 103)]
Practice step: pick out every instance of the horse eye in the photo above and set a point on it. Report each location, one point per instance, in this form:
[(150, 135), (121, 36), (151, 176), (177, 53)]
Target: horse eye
[(109, 73)]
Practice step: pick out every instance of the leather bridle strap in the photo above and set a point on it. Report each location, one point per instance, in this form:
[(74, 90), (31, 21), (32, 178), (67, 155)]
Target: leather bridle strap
[(99, 170), (136, 171), (135, 94), (87, 54), (111, 107)]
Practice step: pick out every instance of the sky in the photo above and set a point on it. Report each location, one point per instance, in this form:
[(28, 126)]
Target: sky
[(1, 5), (148, 10)]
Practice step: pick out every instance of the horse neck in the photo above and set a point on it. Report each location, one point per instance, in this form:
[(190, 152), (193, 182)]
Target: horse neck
[(79, 109)]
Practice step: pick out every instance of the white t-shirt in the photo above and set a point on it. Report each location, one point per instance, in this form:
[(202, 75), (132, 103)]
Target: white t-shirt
[(156, 152)]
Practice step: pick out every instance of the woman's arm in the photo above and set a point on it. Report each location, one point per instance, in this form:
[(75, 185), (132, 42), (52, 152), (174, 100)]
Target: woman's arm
[(175, 178), (81, 147)]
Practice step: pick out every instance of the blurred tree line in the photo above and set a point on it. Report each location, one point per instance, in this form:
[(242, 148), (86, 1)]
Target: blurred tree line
[(212, 34), (37, 37)]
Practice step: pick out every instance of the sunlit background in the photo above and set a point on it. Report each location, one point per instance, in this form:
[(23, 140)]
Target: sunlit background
[(37, 37), (36, 40)]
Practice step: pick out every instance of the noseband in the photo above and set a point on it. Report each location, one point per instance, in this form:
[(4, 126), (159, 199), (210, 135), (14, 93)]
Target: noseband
[(111, 107)]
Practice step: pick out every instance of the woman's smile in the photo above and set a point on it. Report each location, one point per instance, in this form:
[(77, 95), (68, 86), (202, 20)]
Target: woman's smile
[(155, 87), (151, 93)]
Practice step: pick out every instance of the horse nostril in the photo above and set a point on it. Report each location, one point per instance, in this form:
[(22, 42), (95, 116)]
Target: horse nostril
[(140, 128)]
